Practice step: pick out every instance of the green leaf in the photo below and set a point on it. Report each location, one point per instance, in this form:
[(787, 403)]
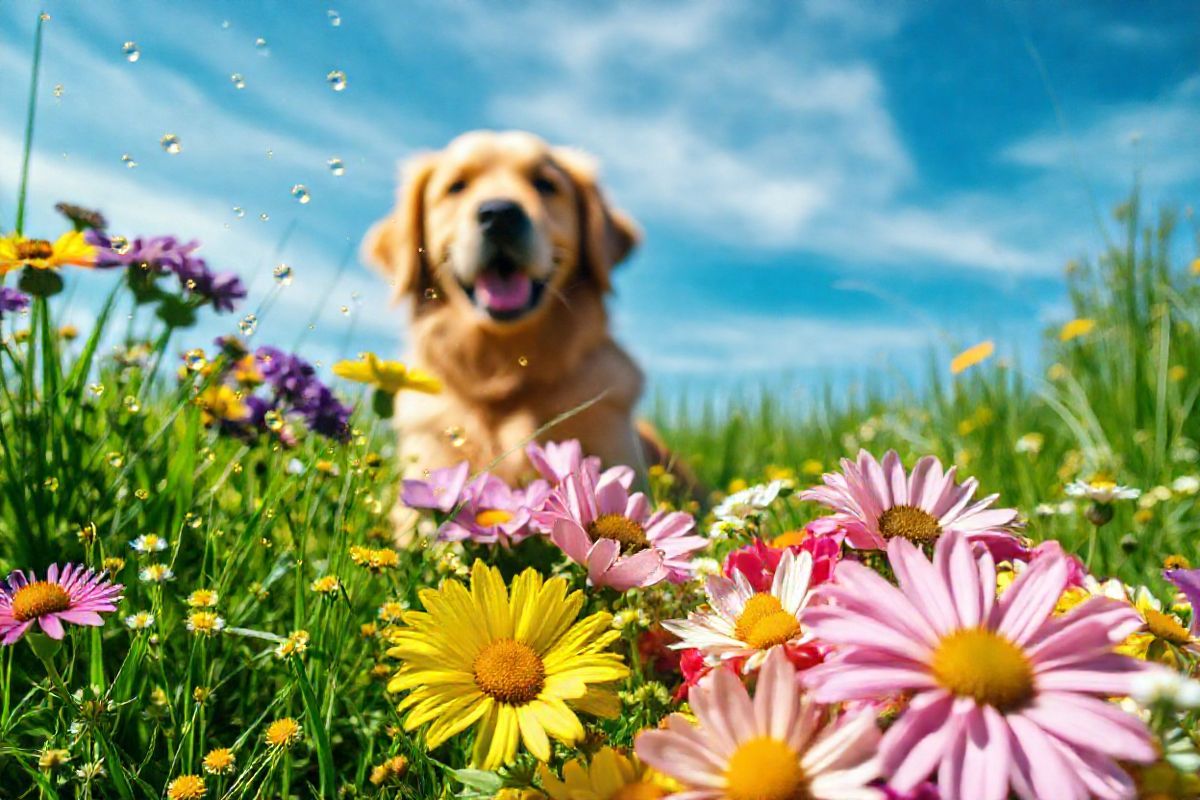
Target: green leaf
[(488, 782), (312, 715)]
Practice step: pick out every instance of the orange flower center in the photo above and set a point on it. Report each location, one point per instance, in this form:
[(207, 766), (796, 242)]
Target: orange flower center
[(763, 623), (34, 248), (909, 522), (979, 663), (509, 671), (765, 768), (40, 597), (492, 516), (621, 529)]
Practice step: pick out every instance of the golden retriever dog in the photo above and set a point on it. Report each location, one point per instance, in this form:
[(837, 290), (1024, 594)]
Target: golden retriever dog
[(504, 247)]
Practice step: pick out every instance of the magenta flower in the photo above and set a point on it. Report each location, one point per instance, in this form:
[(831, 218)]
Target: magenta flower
[(75, 594), (877, 502), (557, 460), (440, 491), (1006, 696), (758, 561), (599, 524), (778, 744), (490, 512), (1188, 582)]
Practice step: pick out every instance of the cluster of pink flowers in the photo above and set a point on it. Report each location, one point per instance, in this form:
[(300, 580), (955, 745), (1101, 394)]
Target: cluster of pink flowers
[(994, 691), (592, 515)]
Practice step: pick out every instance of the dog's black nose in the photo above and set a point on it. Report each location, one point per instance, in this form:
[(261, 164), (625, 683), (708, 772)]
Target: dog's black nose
[(503, 219)]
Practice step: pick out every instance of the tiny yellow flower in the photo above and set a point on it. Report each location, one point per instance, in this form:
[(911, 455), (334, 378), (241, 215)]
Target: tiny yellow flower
[(295, 645), (368, 629), (968, 358), (112, 564), (283, 732), (812, 466), (388, 376), (392, 769), (17, 251), (186, 787), (375, 559), (1196, 266), (68, 333), (246, 372), (391, 611), (326, 584), (1176, 373), (219, 761), (52, 759), (222, 404), (1076, 328), (203, 598), (205, 623), (201, 694)]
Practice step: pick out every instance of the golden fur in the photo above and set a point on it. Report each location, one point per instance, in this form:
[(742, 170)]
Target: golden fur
[(505, 379)]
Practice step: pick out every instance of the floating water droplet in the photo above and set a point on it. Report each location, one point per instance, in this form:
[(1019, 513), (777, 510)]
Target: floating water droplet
[(261, 44), (44, 17), (131, 404), (336, 166), (239, 212), (336, 79), (238, 81), (189, 284), (456, 435), (131, 52), (128, 161), (96, 389), (431, 294), (119, 245), (523, 361), (300, 193), (273, 420), (115, 459), (248, 325), (195, 360), (141, 494), (224, 24), (264, 216), (335, 19), (58, 90), (270, 153), (345, 310), (283, 275), (170, 143)]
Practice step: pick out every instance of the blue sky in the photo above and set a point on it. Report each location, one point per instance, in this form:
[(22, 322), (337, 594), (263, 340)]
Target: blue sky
[(826, 187)]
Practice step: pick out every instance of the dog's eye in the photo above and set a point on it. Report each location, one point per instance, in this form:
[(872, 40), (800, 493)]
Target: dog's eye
[(544, 186), (456, 187)]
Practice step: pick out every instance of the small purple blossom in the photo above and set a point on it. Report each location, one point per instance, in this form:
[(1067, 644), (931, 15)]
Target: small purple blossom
[(492, 512), (440, 491), (297, 387), (12, 300), (162, 254)]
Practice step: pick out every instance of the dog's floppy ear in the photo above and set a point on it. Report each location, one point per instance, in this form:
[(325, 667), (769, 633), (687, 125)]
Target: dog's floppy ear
[(608, 235), (396, 243)]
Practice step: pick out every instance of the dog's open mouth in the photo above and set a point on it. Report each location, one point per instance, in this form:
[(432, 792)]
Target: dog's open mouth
[(505, 294)]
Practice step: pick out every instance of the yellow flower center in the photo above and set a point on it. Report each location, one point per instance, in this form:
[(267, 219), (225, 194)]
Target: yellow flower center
[(509, 671), (492, 516), (978, 663), (639, 790), (621, 529), (1165, 626), (34, 248), (909, 522), (40, 597), (765, 769), (763, 623)]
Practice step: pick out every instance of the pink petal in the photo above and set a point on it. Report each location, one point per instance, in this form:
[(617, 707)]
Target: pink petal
[(640, 569), (1039, 762), (1094, 724), (1027, 604), (599, 558), (913, 746), (51, 626), (573, 540)]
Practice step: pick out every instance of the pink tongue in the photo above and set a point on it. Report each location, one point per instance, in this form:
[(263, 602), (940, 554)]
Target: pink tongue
[(503, 294)]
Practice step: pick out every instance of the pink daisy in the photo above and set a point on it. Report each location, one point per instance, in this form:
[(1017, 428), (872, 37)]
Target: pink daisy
[(75, 594), (599, 524), (439, 491), (557, 460), (489, 511), (780, 745), (876, 502), (1005, 695), (743, 625)]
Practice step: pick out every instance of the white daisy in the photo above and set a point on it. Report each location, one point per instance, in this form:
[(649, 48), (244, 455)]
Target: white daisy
[(1099, 490), (139, 621), (749, 502), (149, 543), (742, 623)]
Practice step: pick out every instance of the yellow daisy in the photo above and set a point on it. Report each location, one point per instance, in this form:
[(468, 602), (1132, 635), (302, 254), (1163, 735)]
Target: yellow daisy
[(222, 403), (972, 356), (516, 666), (611, 776), (388, 376), (1161, 634), (17, 251)]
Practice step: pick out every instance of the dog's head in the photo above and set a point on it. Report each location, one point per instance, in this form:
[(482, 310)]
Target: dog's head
[(499, 222)]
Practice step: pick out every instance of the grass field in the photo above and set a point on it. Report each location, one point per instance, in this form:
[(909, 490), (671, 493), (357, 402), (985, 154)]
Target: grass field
[(262, 585)]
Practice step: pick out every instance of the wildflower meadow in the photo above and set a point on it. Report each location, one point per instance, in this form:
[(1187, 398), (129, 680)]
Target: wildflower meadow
[(215, 583)]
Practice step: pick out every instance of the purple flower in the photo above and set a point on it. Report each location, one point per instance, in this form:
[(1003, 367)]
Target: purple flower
[(11, 300), (440, 491), (557, 460), (1188, 582), (296, 385), (162, 254), (225, 289), (924, 791), (492, 512)]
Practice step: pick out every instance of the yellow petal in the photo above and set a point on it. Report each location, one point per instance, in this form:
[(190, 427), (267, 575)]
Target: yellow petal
[(972, 356)]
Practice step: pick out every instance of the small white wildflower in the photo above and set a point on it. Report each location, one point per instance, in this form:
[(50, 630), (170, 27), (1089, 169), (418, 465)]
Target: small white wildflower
[(750, 502), (1186, 484), (149, 543), (295, 467), (703, 567), (1101, 491), (1163, 686), (139, 621), (156, 573)]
